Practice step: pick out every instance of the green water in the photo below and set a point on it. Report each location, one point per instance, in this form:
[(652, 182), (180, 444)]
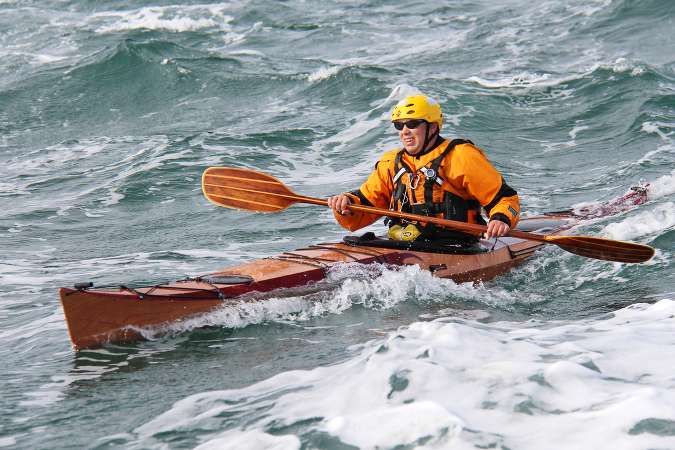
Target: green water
[(110, 111)]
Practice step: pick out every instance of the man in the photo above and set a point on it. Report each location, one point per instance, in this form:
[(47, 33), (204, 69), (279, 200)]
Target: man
[(431, 176)]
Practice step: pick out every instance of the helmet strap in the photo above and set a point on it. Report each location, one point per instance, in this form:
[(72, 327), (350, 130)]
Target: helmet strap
[(428, 138)]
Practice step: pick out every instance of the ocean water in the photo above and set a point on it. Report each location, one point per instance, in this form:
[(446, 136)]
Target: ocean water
[(110, 111)]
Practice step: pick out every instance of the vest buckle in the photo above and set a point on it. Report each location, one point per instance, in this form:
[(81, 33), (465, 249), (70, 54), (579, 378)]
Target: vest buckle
[(429, 173)]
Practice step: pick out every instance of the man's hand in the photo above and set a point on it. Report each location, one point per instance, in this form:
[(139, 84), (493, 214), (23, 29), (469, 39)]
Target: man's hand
[(496, 228), (340, 204)]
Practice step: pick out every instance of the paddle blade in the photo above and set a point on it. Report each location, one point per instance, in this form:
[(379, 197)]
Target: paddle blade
[(245, 189), (605, 249)]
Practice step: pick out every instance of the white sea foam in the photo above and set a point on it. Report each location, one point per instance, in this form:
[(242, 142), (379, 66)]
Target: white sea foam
[(37, 58), (251, 440), (42, 398), (111, 172), (662, 186), (323, 73), (33, 329), (663, 153), (655, 128), (565, 145), (360, 126), (396, 48), (527, 79), (658, 188), (45, 160), (621, 65), (595, 383), (372, 286), (168, 18), (588, 8), (56, 389), (646, 223), (359, 285), (523, 79), (248, 52), (113, 198), (22, 272), (231, 251), (7, 441), (392, 426), (574, 131), (24, 275)]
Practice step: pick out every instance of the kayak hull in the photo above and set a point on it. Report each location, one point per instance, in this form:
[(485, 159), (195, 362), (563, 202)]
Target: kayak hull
[(96, 316)]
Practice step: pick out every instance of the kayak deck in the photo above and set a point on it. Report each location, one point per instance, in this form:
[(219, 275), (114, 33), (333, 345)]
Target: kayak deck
[(96, 316)]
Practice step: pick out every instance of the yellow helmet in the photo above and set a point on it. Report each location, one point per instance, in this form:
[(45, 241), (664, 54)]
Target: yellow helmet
[(418, 107)]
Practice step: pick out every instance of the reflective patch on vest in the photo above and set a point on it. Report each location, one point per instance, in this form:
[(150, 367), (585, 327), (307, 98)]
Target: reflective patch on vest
[(513, 212), (399, 174)]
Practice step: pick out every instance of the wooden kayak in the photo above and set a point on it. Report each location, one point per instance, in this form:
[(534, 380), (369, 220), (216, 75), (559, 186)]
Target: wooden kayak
[(96, 316)]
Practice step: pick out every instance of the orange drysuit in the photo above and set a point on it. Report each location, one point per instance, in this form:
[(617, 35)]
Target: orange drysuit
[(463, 181)]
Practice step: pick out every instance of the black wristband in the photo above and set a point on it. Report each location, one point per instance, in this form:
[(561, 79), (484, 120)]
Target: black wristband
[(362, 198), (501, 217)]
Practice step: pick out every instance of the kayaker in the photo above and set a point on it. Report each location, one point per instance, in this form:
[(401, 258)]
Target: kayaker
[(431, 176)]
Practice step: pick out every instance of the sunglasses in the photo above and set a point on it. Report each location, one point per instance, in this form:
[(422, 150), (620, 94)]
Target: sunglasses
[(411, 124)]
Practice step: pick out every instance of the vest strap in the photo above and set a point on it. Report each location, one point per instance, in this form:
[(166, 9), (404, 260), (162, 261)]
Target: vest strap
[(451, 206), (399, 174)]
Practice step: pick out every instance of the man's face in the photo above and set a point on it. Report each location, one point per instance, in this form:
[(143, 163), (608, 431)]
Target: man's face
[(412, 134)]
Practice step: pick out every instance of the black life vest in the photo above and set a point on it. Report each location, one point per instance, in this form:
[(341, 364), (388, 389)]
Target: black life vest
[(451, 206)]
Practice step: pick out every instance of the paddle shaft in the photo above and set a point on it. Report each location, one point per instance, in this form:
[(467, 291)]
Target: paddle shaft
[(460, 226)]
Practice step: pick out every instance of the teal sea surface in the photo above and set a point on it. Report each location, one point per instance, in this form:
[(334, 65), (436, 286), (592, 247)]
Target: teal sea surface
[(110, 112)]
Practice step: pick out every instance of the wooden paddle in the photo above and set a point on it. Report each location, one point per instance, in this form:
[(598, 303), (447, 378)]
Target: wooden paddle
[(255, 191)]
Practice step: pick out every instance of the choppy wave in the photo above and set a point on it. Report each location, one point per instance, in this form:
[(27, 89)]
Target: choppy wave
[(371, 286), (655, 222), (166, 18), (547, 80), (451, 382)]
